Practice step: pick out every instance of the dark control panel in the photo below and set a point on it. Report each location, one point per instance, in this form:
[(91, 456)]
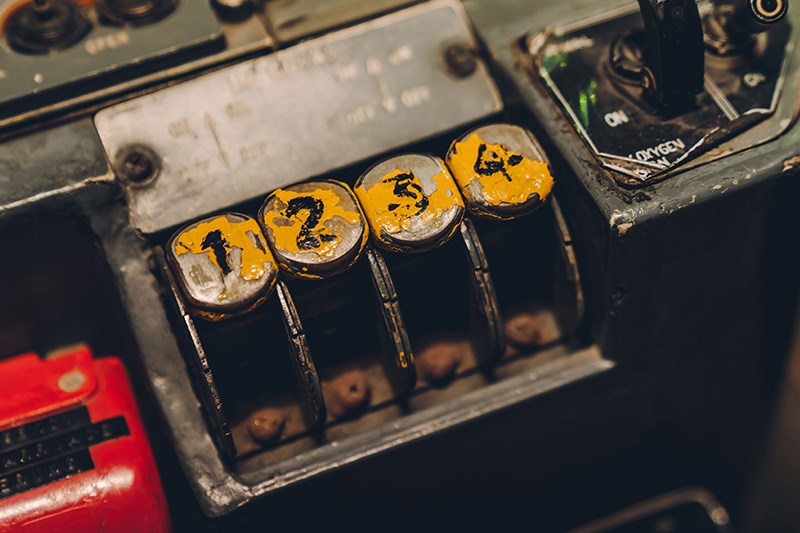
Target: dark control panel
[(58, 55), (652, 90)]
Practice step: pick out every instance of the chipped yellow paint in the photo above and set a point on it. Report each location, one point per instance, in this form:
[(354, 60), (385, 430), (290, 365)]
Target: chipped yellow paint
[(389, 212), (506, 177), (406, 359), (214, 316), (291, 229), (256, 261)]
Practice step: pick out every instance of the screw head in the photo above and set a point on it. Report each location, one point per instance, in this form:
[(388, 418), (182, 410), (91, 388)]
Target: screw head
[(460, 60), (137, 165)]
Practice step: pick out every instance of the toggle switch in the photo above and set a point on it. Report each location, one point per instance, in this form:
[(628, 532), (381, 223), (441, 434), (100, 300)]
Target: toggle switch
[(41, 26), (667, 58), (316, 229), (411, 202), (501, 170), (223, 265)]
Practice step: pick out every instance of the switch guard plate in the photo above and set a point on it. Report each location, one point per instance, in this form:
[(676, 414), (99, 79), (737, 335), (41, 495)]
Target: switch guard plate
[(625, 133)]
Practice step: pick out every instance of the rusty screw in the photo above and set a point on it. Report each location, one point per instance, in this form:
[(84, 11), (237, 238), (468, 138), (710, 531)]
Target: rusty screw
[(524, 330), (266, 425), (460, 60), (529, 328), (437, 360), (347, 393), (137, 164)]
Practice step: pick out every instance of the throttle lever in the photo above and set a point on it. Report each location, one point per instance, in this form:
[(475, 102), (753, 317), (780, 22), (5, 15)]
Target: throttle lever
[(673, 52)]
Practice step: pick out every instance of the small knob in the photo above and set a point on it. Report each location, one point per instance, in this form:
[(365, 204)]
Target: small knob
[(732, 24), (134, 12), (41, 26), (764, 13)]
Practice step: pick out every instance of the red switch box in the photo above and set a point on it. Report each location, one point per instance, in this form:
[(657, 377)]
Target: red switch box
[(74, 455)]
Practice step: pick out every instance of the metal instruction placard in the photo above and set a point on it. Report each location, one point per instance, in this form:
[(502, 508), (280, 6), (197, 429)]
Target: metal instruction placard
[(246, 130)]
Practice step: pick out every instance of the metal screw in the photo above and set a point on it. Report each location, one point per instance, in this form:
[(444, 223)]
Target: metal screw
[(438, 359), (460, 60), (265, 426), (137, 164), (347, 393), (524, 331)]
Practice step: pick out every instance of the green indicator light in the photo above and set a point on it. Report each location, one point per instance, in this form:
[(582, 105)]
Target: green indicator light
[(585, 98)]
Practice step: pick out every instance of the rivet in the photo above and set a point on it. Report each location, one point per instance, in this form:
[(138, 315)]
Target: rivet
[(71, 381)]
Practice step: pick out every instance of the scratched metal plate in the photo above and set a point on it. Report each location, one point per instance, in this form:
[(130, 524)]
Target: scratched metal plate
[(243, 131), (303, 18), (294, 19)]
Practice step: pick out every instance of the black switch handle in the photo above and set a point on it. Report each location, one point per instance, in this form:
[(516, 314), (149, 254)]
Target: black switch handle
[(673, 52)]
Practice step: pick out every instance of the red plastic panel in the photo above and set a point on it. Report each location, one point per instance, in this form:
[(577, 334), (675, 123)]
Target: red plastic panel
[(81, 464), (25, 398)]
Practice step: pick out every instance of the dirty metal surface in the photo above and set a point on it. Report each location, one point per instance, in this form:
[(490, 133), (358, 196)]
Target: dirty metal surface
[(50, 165), (362, 91), (297, 19), (654, 248)]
